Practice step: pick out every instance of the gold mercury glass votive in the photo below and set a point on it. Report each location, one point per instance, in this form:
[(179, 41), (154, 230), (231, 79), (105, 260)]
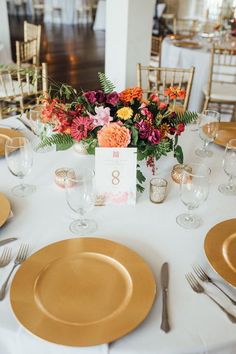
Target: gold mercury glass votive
[(158, 190), (61, 174), (177, 172)]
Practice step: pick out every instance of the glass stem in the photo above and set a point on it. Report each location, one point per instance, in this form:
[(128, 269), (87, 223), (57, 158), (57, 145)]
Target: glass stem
[(230, 182), (205, 145), (188, 217)]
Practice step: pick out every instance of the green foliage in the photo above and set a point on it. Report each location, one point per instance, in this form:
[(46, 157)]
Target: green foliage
[(92, 144), (134, 131), (178, 154), (106, 85), (62, 141), (141, 179), (186, 117)]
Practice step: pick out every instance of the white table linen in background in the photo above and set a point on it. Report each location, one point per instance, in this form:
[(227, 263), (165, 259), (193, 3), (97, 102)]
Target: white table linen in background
[(4, 58), (100, 18), (197, 325)]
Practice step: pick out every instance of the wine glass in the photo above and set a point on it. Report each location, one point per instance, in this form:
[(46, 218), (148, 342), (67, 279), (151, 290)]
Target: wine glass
[(80, 196), (19, 158), (208, 128), (39, 129), (229, 166), (194, 188)]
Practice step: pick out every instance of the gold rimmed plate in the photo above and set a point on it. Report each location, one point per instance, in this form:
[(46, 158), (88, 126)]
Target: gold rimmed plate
[(5, 209), (227, 131), (187, 44), (220, 249), (4, 134), (82, 292)]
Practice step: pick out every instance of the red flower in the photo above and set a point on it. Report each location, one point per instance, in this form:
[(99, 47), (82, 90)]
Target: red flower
[(80, 127), (180, 128)]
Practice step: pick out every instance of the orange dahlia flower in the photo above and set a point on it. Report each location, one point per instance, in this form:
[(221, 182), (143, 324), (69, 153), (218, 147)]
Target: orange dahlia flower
[(114, 135), (129, 94), (175, 92)]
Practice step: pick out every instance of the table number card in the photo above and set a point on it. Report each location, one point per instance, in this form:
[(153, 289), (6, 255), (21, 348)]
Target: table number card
[(115, 173)]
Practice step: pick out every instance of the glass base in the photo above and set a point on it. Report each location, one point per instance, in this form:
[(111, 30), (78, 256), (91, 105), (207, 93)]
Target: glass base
[(188, 221), (23, 190), (203, 153), (227, 189), (83, 227)]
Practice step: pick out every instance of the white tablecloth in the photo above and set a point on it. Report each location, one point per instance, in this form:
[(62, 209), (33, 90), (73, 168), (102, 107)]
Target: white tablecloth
[(197, 324), (4, 58), (177, 57)]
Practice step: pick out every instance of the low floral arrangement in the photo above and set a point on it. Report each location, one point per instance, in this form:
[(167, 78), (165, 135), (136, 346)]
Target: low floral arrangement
[(105, 118)]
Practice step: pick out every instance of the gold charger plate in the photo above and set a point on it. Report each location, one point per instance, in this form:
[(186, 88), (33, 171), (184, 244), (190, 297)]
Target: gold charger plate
[(5, 209), (220, 249), (227, 131), (7, 132), (82, 292), (179, 36), (187, 44)]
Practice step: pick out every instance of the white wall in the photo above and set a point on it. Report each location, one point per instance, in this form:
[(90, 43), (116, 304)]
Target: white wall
[(128, 39), (4, 31)]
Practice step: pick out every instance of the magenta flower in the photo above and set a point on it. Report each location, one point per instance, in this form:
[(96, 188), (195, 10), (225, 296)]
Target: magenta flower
[(144, 129), (80, 127), (100, 96), (90, 96), (155, 137), (112, 98), (102, 116), (146, 113)]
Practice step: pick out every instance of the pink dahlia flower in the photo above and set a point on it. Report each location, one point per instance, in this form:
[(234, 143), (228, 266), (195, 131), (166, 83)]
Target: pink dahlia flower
[(80, 127)]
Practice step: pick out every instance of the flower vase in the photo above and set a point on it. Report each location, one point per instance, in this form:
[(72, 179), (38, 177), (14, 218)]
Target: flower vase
[(81, 148)]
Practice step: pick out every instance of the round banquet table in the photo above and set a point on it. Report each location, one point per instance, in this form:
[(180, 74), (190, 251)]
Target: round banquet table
[(197, 324), (179, 57)]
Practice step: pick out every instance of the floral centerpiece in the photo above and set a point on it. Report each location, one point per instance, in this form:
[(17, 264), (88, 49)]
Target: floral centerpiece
[(105, 118)]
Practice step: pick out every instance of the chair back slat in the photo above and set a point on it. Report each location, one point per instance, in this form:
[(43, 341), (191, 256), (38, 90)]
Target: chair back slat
[(158, 79), (26, 52)]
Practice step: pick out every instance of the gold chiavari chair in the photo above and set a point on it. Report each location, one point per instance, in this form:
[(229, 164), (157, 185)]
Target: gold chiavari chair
[(26, 52), (32, 31), (156, 51), (187, 26), (21, 88), (158, 79), (221, 87)]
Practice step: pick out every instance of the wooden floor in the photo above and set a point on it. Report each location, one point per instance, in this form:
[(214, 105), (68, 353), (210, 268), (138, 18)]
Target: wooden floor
[(74, 53)]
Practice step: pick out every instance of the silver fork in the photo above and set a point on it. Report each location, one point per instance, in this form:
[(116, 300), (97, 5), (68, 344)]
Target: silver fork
[(204, 277), (198, 288), (5, 258), (20, 258)]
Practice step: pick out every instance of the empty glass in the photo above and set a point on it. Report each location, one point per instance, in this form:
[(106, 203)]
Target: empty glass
[(229, 166), (80, 196), (40, 130), (19, 158), (194, 188), (208, 128)]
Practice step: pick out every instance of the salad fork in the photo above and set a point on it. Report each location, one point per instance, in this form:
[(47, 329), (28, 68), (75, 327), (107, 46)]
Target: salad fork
[(5, 257), (20, 258), (198, 288), (204, 277)]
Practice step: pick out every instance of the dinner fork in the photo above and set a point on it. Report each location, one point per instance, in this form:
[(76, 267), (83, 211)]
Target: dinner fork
[(5, 257), (198, 288), (204, 277), (20, 258)]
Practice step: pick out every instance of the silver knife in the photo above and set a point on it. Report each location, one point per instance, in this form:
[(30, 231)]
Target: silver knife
[(165, 326), (7, 240)]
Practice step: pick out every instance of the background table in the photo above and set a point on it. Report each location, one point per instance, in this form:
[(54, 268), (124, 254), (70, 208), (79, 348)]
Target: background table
[(198, 326), (178, 57)]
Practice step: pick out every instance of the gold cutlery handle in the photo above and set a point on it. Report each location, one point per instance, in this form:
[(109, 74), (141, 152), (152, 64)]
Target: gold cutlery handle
[(231, 317), (165, 326)]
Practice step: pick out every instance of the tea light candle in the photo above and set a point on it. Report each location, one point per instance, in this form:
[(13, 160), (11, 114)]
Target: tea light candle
[(61, 174), (158, 189), (177, 171)]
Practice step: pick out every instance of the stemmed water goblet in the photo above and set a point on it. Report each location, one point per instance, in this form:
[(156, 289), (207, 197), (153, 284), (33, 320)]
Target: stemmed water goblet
[(229, 166), (19, 158), (80, 196), (194, 189), (208, 128)]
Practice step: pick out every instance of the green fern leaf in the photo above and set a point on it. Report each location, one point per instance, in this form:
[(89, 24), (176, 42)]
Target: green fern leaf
[(106, 85), (62, 141), (186, 117)]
